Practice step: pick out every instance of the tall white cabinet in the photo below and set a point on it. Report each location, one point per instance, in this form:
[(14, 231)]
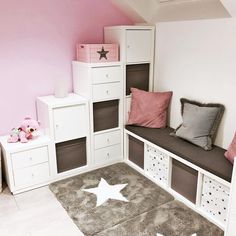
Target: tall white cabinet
[(137, 54), (102, 85)]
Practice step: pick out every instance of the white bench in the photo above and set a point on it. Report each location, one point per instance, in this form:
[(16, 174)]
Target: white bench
[(201, 179)]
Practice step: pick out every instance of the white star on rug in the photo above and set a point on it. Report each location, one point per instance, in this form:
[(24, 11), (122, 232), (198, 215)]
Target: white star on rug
[(104, 191)]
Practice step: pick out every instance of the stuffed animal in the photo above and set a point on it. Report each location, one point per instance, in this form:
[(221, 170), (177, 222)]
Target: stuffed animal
[(24, 132)]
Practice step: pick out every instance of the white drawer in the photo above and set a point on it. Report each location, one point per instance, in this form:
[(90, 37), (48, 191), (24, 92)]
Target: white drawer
[(106, 74), (28, 158), (106, 91), (31, 175), (108, 154), (107, 139)]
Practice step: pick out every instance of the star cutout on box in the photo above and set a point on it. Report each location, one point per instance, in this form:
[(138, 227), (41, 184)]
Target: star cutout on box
[(103, 53), (105, 191)]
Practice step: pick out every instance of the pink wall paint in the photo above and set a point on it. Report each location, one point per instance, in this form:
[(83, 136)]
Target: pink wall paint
[(37, 45)]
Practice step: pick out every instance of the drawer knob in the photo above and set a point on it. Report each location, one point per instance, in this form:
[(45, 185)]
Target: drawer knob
[(107, 75), (107, 91), (32, 175), (108, 140), (30, 158), (108, 155), (57, 126)]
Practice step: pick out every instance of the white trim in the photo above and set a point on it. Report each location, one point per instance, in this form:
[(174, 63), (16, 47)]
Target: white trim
[(199, 189)]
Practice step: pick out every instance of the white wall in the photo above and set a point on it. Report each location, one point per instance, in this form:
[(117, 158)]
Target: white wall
[(197, 60)]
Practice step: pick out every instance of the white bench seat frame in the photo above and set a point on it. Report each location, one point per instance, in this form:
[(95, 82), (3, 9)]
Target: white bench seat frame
[(201, 172)]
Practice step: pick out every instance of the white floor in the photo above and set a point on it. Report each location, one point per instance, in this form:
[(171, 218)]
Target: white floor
[(34, 213)]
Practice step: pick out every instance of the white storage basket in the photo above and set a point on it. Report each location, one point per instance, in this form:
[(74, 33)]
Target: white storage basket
[(156, 164), (214, 199)]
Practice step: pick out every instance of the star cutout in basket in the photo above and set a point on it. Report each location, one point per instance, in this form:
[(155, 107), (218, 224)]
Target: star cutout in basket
[(103, 53)]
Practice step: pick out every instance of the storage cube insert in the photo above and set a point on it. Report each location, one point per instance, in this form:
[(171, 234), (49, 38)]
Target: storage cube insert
[(136, 151), (157, 164), (137, 76), (184, 180), (71, 154), (215, 197), (105, 115)]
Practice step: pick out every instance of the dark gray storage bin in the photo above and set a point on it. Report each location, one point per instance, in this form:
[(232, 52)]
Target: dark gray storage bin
[(137, 76), (105, 115), (71, 154), (136, 151), (184, 180)]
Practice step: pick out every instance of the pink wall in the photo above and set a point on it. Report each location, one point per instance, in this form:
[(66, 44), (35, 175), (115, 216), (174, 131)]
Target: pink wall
[(37, 45)]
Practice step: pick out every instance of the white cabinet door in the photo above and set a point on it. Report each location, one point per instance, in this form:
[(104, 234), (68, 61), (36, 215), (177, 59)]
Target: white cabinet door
[(70, 123), (139, 46)]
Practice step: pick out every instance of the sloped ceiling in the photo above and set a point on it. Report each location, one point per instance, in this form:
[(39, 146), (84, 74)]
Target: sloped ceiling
[(153, 11)]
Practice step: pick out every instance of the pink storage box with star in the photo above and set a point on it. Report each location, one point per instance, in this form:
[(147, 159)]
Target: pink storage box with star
[(93, 53)]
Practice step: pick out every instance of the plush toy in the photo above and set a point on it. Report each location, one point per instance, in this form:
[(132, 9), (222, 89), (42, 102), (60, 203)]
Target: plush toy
[(24, 132)]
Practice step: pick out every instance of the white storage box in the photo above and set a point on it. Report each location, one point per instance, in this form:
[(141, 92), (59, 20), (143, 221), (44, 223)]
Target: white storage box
[(156, 164), (215, 197)]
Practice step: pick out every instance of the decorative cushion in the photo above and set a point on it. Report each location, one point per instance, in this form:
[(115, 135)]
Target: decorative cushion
[(230, 154), (149, 109), (200, 122)]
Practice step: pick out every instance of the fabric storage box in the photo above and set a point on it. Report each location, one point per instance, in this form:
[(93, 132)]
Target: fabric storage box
[(93, 53), (71, 154), (137, 76), (105, 115), (136, 151), (184, 180)]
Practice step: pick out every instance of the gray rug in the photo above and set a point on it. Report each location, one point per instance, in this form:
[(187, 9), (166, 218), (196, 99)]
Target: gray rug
[(149, 210)]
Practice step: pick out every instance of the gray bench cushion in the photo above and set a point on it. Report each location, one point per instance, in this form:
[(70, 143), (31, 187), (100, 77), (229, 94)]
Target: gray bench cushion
[(212, 161)]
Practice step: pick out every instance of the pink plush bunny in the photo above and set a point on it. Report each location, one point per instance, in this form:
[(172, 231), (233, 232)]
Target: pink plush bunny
[(24, 132)]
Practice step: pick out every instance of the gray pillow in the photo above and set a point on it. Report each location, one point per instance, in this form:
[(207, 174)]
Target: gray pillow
[(200, 122)]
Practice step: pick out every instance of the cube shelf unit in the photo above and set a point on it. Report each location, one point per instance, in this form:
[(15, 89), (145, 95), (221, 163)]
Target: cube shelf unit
[(27, 165), (65, 121), (102, 85), (202, 191), (137, 57)]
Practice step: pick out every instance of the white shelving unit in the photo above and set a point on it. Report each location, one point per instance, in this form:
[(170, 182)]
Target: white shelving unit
[(137, 54), (102, 85), (27, 165), (158, 166), (66, 122)]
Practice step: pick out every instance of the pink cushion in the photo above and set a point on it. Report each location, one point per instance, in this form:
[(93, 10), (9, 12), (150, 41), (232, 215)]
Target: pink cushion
[(231, 152), (149, 109)]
